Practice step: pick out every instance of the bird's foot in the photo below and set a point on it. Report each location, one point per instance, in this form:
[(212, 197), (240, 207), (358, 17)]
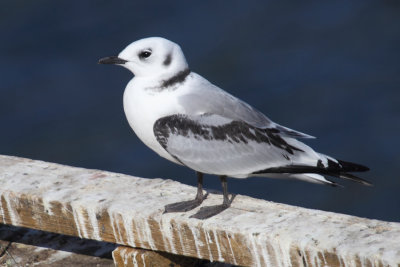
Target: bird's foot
[(210, 211), (184, 206)]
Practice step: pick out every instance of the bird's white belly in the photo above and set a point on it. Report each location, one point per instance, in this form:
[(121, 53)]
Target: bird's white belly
[(143, 109)]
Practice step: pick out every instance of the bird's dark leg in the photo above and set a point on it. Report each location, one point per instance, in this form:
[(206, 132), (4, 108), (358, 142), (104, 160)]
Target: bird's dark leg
[(207, 212), (224, 184), (199, 195), (190, 204)]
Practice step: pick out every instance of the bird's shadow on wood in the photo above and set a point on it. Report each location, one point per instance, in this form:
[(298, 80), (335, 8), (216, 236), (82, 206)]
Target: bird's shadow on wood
[(203, 213), (184, 206)]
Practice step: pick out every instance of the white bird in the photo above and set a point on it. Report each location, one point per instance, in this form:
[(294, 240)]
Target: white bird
[(189, 121)]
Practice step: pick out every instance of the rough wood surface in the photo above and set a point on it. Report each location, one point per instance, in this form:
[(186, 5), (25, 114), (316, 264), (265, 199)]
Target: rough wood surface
[(134, 257), (23, 247), (128, 210)]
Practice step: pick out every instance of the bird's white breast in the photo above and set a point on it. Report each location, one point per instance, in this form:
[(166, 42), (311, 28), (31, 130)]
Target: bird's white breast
[(144, 106)]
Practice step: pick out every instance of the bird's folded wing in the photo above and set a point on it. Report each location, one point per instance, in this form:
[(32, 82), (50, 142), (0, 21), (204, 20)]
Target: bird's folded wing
[(215, 144), (212, 99)]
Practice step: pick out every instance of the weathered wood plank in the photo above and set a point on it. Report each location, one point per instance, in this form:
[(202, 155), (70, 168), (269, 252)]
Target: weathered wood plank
[(128, 210), (27, 247), (134, 257)]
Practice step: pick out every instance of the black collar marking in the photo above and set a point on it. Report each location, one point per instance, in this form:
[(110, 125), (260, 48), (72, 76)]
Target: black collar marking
[(180, 77)]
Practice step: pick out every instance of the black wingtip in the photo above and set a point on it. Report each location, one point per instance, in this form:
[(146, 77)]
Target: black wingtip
[(334, 169), (352, 167)]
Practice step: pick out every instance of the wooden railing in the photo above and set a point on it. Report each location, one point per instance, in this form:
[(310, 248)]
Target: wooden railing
[(128, 211)]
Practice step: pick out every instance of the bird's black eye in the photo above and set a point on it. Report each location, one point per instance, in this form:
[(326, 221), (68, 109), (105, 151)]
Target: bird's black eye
[(145, 54)]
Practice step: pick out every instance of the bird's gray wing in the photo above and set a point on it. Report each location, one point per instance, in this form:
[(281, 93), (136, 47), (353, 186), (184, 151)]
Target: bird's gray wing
[(211, 99), (215, 144)]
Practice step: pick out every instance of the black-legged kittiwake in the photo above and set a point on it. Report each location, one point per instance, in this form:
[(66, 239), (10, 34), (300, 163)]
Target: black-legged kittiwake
[(188, 120)]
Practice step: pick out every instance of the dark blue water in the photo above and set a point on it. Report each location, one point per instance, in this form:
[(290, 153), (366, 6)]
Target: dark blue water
[(328, 69)]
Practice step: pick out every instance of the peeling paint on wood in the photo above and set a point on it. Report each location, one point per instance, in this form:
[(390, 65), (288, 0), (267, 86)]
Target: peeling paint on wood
[(128, 210)]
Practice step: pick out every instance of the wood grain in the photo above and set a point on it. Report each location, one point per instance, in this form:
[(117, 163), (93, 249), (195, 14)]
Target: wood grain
[(134, 257), (128, 210)]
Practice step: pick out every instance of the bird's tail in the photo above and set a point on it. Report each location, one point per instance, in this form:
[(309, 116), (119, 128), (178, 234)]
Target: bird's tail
[(342, 168), (325, 166)]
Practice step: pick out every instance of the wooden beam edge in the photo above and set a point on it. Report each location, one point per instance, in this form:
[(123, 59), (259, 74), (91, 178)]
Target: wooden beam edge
[(71, 201)]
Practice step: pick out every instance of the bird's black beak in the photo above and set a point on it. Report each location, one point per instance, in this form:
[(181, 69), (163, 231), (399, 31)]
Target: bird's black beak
[(112, 60)]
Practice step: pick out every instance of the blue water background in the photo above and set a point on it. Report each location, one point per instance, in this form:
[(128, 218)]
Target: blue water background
[(327, 68)]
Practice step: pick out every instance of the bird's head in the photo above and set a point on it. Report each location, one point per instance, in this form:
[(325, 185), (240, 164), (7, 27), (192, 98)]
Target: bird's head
[(152, 57)]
